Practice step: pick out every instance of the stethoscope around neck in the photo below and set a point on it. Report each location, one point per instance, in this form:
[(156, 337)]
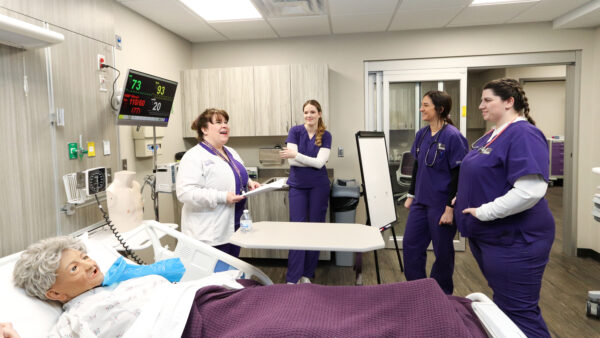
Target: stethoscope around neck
[(434, 143)]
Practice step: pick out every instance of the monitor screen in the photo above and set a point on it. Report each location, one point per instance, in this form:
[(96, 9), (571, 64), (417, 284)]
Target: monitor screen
[(147, 100)]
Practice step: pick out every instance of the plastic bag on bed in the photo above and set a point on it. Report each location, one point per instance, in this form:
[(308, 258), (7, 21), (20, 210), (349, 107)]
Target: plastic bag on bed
[(172, 269)]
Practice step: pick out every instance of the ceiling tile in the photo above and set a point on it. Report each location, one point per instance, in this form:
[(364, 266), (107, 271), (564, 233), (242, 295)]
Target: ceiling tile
[(360, 23), (423, 19), (301, 26), (244, 30), (174, 16), (354, 7), (425, 5), (548, 10), (488, 15)]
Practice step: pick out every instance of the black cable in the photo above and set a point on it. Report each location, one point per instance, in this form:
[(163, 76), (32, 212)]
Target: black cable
[(118, 235), (115, 81)]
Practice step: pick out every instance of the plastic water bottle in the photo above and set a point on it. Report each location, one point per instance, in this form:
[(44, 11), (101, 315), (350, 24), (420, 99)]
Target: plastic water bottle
[(246, 221)]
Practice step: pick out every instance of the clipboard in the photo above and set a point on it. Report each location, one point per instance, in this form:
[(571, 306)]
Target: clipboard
[(279, 184)]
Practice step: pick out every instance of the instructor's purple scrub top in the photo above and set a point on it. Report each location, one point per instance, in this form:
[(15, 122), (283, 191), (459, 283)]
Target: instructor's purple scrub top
[(431, 186), (307, 177), (520, 150)]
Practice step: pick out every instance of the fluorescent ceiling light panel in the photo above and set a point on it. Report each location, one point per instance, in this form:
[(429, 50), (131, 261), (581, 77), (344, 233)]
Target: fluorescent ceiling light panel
[(223, 10), (498, 2)]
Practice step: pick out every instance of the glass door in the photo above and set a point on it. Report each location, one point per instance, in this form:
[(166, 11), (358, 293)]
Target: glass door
[(399, 118)]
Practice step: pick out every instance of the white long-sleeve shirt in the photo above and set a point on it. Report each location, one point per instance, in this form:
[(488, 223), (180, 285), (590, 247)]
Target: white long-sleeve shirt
[(526, 192), (203, 181), (302, 160)]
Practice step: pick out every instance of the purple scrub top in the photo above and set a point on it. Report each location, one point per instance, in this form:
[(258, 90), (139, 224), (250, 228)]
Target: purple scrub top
[(431, 187), (520, 150), (239, 206), (307, 177)]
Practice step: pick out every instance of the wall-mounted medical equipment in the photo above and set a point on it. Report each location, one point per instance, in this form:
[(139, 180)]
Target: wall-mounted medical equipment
[(165, 177), (596, 198), (147, 100), (79, 186), (143, 138)]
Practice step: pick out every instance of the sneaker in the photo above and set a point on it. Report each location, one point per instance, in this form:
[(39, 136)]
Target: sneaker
[(304, 280), (290, 283)]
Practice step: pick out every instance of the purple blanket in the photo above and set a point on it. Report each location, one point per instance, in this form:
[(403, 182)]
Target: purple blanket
[(408, 309)]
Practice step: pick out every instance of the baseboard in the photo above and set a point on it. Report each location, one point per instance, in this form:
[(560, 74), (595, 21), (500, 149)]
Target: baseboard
[(588, 253)]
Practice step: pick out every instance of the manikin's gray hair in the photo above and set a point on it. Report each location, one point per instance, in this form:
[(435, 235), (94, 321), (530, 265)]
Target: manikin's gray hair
[(35, 271)]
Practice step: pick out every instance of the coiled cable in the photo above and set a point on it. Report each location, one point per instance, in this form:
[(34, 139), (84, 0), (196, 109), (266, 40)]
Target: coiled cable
[(129, 252)]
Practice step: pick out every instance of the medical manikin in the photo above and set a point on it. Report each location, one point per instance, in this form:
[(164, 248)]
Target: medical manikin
[(124, 200)]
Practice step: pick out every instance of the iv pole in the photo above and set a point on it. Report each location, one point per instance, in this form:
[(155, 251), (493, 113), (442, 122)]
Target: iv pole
[(154, 155)]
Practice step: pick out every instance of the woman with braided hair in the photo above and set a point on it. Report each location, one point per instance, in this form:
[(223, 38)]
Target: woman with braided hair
[(307, 151), (500, 204)]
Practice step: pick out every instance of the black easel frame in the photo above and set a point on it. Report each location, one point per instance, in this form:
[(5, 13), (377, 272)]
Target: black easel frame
[(362, 134)]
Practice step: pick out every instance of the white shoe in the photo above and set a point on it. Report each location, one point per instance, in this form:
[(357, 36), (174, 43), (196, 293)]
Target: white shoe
[(290, 283), (303, 280)]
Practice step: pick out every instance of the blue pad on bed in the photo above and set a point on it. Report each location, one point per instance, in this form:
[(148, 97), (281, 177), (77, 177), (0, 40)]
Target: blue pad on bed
[(172, 269), (222, 266)]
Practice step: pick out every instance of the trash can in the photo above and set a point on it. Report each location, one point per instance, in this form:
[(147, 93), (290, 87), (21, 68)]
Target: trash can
[(344, 200)]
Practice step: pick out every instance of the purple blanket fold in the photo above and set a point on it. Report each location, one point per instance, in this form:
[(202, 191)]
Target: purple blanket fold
[(409, 309)]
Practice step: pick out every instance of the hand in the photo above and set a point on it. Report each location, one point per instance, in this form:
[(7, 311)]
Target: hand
[(7, 331), (447, 216), (253, 185), (471, 211), (408, 202), (233, 198), (287, 153)]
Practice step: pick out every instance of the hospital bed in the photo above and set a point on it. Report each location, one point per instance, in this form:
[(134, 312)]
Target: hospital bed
[(32, 317)]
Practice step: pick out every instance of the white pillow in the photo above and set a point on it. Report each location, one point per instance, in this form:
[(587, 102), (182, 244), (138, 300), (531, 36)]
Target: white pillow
[(30, 316)]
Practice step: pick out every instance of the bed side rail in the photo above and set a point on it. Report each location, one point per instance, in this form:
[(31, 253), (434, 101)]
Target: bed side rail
[(496, 323), (199, 259)]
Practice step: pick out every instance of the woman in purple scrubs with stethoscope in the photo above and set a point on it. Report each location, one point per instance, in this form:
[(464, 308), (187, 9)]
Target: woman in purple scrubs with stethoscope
[(438, 150), (500, 205), (307, 151)]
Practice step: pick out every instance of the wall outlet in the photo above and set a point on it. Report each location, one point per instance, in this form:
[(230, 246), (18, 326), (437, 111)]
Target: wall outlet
[(100, 60), (340, 151)]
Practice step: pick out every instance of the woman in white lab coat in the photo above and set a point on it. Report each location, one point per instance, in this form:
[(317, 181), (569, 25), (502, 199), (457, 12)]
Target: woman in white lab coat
[(210, 183)]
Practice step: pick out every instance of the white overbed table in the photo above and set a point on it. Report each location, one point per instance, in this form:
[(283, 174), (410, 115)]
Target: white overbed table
[(310, 236)]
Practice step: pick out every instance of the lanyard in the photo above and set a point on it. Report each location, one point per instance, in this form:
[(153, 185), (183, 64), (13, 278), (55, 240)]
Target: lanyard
[(226, 159), (500, 132)]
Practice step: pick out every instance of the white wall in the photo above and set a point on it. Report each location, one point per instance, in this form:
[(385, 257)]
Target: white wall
[(152, 49), (345, 55)]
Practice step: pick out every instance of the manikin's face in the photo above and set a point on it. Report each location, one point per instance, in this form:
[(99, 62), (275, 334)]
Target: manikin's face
[(217, 131), (492, 107), (76, 274), (311, 115)]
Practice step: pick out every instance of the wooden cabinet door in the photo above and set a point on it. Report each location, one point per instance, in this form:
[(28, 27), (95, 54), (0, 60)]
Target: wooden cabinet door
[(190, 96), (272, 104), (309, 82), (236, 90)]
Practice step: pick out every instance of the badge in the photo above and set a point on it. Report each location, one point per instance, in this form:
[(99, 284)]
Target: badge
[(485, 150), (441, 146)]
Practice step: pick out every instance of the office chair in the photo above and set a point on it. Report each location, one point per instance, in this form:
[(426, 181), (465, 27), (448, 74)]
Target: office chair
[(404, 175)]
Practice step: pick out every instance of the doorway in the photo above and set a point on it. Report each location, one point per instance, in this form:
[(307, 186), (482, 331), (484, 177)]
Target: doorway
[(538, 72)]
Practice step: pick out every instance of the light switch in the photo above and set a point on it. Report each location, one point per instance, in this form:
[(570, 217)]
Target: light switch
[(106, 146), (340, 151)]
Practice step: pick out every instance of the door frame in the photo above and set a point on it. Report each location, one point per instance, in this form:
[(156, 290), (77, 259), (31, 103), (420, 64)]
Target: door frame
[(572, 59)]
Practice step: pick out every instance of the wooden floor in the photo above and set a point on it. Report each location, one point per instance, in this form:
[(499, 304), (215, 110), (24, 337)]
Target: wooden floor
[(564, 292)]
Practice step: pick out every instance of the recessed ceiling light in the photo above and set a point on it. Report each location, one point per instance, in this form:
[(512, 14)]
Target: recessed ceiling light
[(223, 10), (498, 2)]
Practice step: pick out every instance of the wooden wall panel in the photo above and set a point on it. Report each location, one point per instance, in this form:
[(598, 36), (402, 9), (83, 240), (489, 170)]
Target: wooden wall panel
[(28, 204), (87, 111)]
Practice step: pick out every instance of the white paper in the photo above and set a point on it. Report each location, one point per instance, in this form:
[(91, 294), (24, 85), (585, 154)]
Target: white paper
[(266, 187)]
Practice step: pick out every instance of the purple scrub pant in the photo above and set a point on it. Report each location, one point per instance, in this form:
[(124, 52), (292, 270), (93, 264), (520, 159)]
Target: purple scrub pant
[(229, 248), (514, 272), (306, 205), (422, 228)]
